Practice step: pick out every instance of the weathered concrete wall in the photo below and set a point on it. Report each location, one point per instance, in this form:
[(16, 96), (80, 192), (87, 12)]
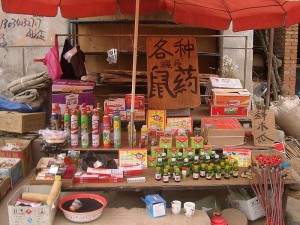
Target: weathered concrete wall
[(22, 39)]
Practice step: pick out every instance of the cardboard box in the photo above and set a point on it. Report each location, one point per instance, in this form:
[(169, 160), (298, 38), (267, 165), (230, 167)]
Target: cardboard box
[(228, 110), (72, 92), (178, 112), (155, 205), (15, 172), (222, 131), (231, 97), (133, 157), (156, 118), (4, 186), (139, 114), (116, 104), (180, 122), (24, 153), (251, 208), (21, 215), (243, 156), (16, 122), (139, 101)]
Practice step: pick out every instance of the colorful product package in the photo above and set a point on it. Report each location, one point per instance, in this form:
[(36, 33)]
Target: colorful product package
[(133, 157), (182, 142), (152, 161), (207, 149), (155, 151), (197, 142), (165, 142), (172, 151), (242, 155), (180, 122), (156, 118), (187, 150)]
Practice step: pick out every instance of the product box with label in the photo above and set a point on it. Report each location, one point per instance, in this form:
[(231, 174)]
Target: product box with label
[(231, 97), (156, 118), (41, 215), (176, 123), (155, 205), (18, 148), (4, 186), (16, 122), (243, 156), (178, 112), (252, 208), (116, 104), (133, 157), (11, 167), (139, 114), (139, 101), (72, 93), (228, 110), (222, 131)]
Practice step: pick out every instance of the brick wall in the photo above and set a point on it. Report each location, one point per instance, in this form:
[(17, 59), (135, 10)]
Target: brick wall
[(285, 46)]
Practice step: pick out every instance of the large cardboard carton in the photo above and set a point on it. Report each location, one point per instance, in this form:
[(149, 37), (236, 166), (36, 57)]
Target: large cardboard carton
[(15, 172), (252, 208), (21, 215), (24, 153), (72, 92), (231, 97), (16, 122), (4, 186), (222, 131)]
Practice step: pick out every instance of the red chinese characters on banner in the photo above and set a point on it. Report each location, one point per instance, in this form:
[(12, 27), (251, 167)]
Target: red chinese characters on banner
[(172, 73)]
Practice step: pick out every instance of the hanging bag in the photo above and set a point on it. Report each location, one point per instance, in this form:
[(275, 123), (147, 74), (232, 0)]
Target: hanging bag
[(51, 60)]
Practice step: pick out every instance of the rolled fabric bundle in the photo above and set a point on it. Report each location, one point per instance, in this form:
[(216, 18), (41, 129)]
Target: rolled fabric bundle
[(32, 97), (25, 79), (54, 192), (38, 83), (34, 197)]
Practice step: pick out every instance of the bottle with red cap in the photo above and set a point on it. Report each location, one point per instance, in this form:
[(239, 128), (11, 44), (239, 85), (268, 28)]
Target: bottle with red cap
[(106, 129), (74, 129), (67, 123), (95, 129)]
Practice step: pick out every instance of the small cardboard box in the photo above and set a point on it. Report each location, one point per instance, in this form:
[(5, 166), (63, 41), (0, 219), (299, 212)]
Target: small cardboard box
[(116, 104), (139, 101), (15, 172), (155, 205), (4, 186), (180, 122), (24, 153), (252, 208), (231, 97), (139, 114), (16, 122), (243, 156), (157, 118), (222, 131), (133, 157), (41, 215), (228, 110)]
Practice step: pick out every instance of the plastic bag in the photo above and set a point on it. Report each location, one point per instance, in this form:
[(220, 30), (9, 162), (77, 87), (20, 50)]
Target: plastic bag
[(52, 62)]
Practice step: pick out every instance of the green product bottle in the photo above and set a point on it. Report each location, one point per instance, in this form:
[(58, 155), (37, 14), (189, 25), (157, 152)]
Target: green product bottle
[(160, 164), (180, 160), (164, 158), (186, 164), (207, 160), (203, 170), (166, 176), (100, 110), (217, 160), (67, 124), (117, 130), (227, 172), (190, 156), (212, 156), (172, 165), (177, 175), (183, 173), (84, 130), (235, 173), (196, 161), (218, 173), (224, 157), (212, 168), (209, 173), (222, 168), (78, 112), (202, 157)]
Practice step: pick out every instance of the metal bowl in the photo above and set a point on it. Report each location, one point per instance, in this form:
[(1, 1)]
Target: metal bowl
[(83, 217)]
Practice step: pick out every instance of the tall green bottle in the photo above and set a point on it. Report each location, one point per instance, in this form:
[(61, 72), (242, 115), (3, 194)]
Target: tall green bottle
[(67, 123), (84, 129)]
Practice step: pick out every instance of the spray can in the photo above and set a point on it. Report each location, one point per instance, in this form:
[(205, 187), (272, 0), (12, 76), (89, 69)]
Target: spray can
[(117, 130), (84, 129), (100, 110), (67, 124), (111, 117), (59, 117), (74, 129), (54, 119), (144, 134), (77, 107), (95, 129), (90, 114), (106, 130)]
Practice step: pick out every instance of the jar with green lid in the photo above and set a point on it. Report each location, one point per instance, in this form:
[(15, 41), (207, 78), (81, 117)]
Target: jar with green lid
[(209, 173), (218, 173), (235, 172), (157, 174), (227, 172), (203, 170)]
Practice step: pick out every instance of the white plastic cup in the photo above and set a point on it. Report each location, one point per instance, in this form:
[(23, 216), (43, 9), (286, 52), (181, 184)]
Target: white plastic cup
[(189, 209), (176, 206)]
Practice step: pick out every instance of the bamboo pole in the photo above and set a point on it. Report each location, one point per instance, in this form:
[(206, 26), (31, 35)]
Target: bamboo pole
[(270, 67), (135, 43)]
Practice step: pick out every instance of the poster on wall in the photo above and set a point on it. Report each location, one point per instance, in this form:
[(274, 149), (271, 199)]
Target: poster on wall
[(172, 72)]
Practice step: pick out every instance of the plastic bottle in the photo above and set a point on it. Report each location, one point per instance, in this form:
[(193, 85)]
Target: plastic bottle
[(160, 164), (235, 173), (164, 158), (100, 111), (90, 115), (209, 173), (218, 173), (166, 176), (84, 129), (195, 172), (157, 173), (67, 124), (186, 164), (95, 129), (117, 130), (59, 117), (203, 170), (183, 173), (144, 134), (54, 119), (217, 160), (74, 129), (106, 130), (77, 107), (227, 172), (179, 160), (177, 175), (172, 165)]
